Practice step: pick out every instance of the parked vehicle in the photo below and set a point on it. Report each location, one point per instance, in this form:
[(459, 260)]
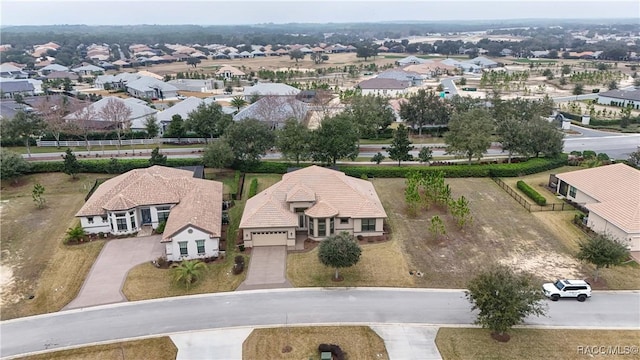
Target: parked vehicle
[(578, 289)]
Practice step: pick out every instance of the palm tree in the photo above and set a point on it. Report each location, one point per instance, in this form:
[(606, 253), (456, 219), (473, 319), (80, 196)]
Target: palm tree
[(188, 272), (238, 102)]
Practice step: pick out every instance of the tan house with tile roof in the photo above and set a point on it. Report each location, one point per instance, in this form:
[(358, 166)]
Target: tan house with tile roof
[(612, 195), (315, 202), (191, 208)]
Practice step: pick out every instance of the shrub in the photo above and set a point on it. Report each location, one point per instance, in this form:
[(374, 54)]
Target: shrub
[(239, 259), (102, 166), (253, 188), (237, 268), (160, 228), (335, 350), (531, 193), (75, 234)]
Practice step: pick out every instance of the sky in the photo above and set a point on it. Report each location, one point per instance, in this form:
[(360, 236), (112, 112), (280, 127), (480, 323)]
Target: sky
[(217, 12)]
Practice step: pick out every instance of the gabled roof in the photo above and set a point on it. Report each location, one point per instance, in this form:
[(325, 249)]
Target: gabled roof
[(274, 109), (138, 110), (411, 60), (55, 67), (482, 61), (380, 83), (199, 202), (300, 193), (231, 69), (399, 74), (146, 83), (335, 193), (616, 188), (183, 108), (10, 86), (62, 75), (91, 68), (270, 89), (622, 94)]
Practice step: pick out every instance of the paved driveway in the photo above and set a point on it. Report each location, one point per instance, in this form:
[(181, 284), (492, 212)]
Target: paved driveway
[(267, 268), (106, 278)]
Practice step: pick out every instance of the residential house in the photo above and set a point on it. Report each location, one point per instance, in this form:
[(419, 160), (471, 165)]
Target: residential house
[(150, 88), (384, 87), (506, 52), (611, 193), (431, 69), (414, 78), (410, 60), (229, 72), (483, 62), (620, 97), (87, 70), (52, 68), (275, 110), (11, 71), (197, 85), (115, 82), (277, 89), (314, 202), (183, 108), (138, 108), (9, 88), (191, 209)]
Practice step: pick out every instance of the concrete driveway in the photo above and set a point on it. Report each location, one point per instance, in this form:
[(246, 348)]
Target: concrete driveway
[(267, 269), (106, 278)]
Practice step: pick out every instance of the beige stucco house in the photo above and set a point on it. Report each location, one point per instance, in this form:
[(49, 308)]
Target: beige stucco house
[(191, 209), (612, 195), (315, 202)]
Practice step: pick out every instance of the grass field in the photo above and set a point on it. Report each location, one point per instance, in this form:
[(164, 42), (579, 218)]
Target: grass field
[(358, 342), (34, 261), (531, 344), (158, 349)]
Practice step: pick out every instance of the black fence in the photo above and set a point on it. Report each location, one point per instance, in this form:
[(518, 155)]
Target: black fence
[(529, 206)]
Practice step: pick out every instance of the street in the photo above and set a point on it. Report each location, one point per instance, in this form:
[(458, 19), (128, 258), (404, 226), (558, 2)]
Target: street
[(620, 310)]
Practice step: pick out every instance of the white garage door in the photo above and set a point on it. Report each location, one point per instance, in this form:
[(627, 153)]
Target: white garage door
[(269, 238)]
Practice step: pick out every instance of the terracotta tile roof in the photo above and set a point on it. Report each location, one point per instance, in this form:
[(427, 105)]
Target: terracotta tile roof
[(616, 188), (321, 209), (347, 196), (381, 83), (199, 202), (300, 193)]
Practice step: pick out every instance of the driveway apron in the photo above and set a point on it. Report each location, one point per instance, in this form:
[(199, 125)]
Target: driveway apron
[(267, 268), (106, 278)]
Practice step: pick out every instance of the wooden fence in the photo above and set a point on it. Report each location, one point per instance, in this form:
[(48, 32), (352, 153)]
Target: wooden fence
[(46, 143), (529, 206)]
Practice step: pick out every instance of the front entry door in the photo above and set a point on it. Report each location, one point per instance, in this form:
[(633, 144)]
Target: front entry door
[(146, 216)]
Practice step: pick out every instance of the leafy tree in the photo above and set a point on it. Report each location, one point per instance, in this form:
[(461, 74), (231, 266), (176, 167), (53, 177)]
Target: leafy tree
[(118, 113), (75, 234), (578, 89), (602, 250), (336, 138), (377, 158), (12, 165), (372, 114), (176, 127), (53, 110), (238, 102), (296, 55), (157, 158), (412, 194), (566, 69), (293, 141), (634, 159), (188, 272), (193, 61), (541, 136), (436, 227), (71, 164), (208, 120), (425, 155), (23, 126), (228, 89), (460, 211), (366, 51), (218, 154), (424, 108), (469, 134), (319, 58), (612, 85), (38, 195), (339, 251), (249, 140), (548, 73), (400, 145), (504, 298), (151, 126)]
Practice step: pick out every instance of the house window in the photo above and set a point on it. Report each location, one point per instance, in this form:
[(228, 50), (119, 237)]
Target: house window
[(121, 222), (311, 223), (132, 216), (572, 191), (331, 226), (163, 213), (322, 227), (90, 220), (104, 219), (368, 224), (344, 220), (200, 245), (183, 248)]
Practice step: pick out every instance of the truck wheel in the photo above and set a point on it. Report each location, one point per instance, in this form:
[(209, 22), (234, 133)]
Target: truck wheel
[(555, 297), (582, 297)]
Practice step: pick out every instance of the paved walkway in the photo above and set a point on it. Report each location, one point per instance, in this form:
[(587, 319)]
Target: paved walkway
[(106, 278), (403, 342), (267, 269)]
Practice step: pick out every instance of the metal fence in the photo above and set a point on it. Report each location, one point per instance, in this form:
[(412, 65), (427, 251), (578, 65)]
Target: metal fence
[(529, 206), (83, 143)]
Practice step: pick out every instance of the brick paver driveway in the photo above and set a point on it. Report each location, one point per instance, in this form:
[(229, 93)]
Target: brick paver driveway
[(107, 275), (267, 268)]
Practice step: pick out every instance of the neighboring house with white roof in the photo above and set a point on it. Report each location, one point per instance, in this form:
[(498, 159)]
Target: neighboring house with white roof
[(196, 85), (620, 97), (116, 82), (229, 72), (611, 193), (183, 108), (402, 75), (411, 60), (139, 111), (262, 89), (315, 202), (191, 209), (483, 62), (275, 110), (53, 67), (151, 88), (11, 71), (383, 87), (87, 70), (9, 88)]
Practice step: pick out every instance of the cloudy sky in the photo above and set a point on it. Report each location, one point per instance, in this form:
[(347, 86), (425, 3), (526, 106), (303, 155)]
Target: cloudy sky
[(122, 12)]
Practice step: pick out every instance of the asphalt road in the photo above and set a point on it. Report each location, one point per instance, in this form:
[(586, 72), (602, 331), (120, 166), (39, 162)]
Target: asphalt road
[(118, 322)]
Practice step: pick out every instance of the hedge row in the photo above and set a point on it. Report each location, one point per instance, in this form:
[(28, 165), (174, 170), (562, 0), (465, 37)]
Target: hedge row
[(531, 193), (253, 188), (107, 166)]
